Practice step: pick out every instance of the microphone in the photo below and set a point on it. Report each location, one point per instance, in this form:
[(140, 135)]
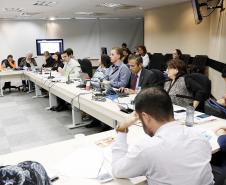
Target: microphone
[(50, 75), (69, 81)]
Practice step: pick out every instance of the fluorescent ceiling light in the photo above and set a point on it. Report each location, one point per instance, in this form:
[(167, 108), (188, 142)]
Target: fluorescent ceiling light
[(44, 3), (111, 5), (84, 13)]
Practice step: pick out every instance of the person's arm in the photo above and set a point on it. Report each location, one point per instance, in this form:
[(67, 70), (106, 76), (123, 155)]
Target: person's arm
[(126, 164), (124, 76), (12, 64)]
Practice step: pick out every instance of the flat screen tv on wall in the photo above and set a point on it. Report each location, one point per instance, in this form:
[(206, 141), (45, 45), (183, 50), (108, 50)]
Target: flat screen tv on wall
[(196, 11), (50, 45)]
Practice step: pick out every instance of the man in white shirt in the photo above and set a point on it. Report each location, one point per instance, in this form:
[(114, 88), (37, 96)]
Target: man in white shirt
[(143, 53), (173, 154), (71, 66)]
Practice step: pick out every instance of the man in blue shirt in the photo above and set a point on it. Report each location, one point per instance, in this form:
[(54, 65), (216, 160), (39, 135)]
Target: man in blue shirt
[(118, 74)]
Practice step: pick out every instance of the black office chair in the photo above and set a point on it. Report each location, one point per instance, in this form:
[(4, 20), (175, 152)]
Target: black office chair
[(157, 62), (160, 76), (168, 57), (86, 66), (199, 64), (200, 87), (8, 85)]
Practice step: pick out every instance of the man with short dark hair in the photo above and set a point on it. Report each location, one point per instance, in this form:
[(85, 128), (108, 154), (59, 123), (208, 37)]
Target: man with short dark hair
[(141, 78), (71, 66), (173, 154)]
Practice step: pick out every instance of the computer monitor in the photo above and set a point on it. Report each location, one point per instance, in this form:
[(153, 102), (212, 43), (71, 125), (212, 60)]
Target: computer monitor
[(50, 45)]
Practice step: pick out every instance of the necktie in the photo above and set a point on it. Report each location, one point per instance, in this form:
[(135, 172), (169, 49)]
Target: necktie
[(134, 82)]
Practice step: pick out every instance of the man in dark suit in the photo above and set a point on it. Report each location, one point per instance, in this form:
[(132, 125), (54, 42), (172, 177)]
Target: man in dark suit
[(141, 77)]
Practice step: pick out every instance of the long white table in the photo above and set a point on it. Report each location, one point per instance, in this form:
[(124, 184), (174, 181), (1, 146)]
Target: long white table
[(108, 112)]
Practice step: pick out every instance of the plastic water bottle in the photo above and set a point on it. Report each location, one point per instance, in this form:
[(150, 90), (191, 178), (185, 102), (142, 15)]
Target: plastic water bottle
[(189, 116)]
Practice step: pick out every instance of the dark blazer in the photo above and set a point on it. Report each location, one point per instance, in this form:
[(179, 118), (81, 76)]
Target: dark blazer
[(148, 78), (57, 64), (49, 62)]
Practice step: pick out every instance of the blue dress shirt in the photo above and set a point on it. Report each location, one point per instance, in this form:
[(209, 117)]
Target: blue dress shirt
[(118, 75)]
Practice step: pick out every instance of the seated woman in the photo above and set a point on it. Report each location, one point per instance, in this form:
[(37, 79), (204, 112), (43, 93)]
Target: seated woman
[(177, 54), (58, 61), (10, 64), (176, 85), (49, 61), (99, 75)]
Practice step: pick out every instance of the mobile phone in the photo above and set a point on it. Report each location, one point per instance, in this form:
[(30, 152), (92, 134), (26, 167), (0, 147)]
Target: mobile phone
[(203, 116), (179, 111)]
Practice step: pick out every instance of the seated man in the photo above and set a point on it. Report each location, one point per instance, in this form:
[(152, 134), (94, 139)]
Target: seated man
[(71, 66), (118, 74), (140, 78), (28, 61), (49, 61), (173, 154)]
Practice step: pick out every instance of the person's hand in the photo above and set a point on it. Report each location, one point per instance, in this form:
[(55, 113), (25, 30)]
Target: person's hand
[(121, 89), (221, 101), (60, 69), (129, 91), (221, 131), (132, 119)]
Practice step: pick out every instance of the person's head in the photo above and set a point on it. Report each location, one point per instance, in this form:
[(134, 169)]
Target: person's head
[(29, 55), (10, 58), (57, 56), (116, 55), (154, 108), (70, 52), (124, 45), (125, 52), (66, 56), (177, 54), (105, 61), (46, 54), (176, 68), (135, 63), (223, 74), (142, 50)]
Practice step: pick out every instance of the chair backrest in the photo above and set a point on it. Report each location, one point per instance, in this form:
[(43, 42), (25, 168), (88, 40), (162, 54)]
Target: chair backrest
[(200, 86), (19, 61), (186, 58), (86, 66), (157, 62), (168, 57), (159, 76), (199, 63)]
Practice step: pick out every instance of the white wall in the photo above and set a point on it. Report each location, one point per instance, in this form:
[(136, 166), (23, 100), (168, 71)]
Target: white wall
[(171, 27), (86, 37)]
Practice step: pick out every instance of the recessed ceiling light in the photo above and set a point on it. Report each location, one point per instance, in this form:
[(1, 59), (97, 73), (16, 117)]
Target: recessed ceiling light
[(44, 3), (52, 18)]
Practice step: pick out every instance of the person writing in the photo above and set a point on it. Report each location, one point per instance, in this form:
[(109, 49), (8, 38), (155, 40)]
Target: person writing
[(173, 154)]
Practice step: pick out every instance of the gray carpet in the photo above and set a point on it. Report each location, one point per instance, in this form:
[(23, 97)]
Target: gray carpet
[(25, 123)]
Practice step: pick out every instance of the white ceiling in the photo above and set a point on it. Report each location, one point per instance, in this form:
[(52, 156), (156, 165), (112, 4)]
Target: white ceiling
[(67, 8)]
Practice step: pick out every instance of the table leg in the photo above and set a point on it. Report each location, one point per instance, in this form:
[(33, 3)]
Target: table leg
[(52, 101), (77, 119)]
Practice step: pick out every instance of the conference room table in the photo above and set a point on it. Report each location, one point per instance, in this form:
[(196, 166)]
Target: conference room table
[(55, 156)]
